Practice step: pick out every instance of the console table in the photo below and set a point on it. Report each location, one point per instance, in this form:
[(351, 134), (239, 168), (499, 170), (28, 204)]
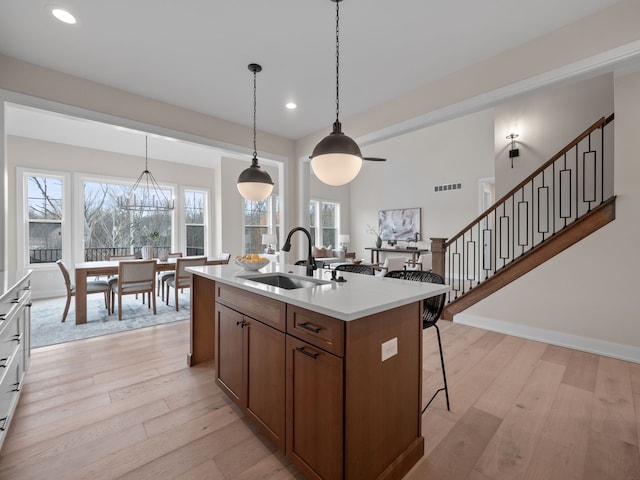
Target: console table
[(415, 253)]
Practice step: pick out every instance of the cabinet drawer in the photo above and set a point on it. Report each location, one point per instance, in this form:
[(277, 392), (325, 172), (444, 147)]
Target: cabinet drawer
[(317, 329), (9, 391), (10, 337), (267, 310)]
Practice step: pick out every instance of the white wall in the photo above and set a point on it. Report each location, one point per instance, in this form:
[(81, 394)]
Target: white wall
[(457, 151), (546, 122), (585, 296)]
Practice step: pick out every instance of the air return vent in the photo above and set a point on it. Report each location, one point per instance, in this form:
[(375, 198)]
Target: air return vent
[(451, 186)]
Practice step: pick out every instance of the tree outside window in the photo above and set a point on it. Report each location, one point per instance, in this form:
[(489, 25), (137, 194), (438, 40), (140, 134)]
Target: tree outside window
[(109, 230), (324, 218), (256, 223), (313, 221), (195, 213), (44, 218)]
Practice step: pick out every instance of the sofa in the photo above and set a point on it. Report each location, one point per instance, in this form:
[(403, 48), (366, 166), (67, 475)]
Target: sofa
[(325, 256)]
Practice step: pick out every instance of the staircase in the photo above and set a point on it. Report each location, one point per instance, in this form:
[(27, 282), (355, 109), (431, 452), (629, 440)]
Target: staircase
[(564, 200)]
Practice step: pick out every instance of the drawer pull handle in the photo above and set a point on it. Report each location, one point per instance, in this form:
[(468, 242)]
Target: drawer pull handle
[(306, 326), (4, 362), (17, 337), (308, 354), (241, 323), (3, 423), (16, 387)]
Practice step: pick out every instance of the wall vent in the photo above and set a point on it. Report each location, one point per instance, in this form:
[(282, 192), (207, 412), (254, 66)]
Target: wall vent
[(451, 186)]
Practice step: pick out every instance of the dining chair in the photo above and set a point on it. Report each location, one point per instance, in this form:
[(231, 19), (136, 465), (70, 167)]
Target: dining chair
[(391, 264), (431, 311), (182, 278), (164, 276), (352, 267), (112, 279), (424, 262), (135, 276), (94, 286)]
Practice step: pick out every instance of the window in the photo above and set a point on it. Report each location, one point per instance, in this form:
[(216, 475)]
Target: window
[(195, 221), (109, 230), (313, 222), (260, 218), (256, 223), (324, 218), (44, 217)]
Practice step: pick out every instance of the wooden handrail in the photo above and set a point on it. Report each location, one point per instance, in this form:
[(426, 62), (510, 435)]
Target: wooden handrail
[(599, 124)]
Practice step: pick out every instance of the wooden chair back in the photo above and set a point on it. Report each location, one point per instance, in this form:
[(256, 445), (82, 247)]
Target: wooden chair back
[(136, 276), (183, 278), (67, 278), (129, 256)]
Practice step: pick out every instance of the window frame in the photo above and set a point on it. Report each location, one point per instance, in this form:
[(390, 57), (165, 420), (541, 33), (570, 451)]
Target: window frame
[(78, 188), (319, 227), (22, 232), (272, 225), (184, 190)]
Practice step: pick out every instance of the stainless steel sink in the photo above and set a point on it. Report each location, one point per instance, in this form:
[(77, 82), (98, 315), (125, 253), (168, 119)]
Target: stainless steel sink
[(288, 282)]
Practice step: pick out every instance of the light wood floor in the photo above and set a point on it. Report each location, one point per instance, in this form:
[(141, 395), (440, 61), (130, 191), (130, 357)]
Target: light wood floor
[(126, 406)]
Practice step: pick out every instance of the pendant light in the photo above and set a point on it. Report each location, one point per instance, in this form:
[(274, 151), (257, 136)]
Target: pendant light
[(146, 195), (254, 183), (337, 159)]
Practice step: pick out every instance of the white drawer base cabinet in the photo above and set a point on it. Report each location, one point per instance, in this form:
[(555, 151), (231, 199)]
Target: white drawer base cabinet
[(15, 341)]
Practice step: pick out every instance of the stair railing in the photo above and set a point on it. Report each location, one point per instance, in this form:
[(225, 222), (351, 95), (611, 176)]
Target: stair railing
[(570, 184)]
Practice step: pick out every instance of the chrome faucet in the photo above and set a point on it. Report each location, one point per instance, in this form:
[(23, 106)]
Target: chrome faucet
[(311, 263)]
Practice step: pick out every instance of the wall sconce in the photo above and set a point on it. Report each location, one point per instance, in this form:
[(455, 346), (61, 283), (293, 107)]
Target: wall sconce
[(513, 151)]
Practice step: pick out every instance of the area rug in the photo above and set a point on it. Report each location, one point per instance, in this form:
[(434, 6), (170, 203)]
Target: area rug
[(47, 328)]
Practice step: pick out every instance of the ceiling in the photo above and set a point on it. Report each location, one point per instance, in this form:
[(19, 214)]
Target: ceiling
[(194, 53)]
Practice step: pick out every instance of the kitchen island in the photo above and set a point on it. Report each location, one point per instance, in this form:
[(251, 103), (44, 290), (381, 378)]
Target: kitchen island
[(330, 372)]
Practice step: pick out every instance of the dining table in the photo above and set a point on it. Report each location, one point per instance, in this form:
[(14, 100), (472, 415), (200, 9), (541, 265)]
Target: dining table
[(85, 270)]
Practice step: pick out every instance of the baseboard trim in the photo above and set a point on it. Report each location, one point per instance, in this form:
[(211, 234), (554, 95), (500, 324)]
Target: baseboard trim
[(42, 294), (576, 342)]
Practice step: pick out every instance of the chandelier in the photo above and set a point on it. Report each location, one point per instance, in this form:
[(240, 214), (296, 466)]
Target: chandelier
[(146, 195)]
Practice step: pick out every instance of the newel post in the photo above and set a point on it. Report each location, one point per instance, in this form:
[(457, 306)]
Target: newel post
[(437, 255)]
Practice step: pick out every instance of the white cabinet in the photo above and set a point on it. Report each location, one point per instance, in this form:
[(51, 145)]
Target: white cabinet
[(15, 342)]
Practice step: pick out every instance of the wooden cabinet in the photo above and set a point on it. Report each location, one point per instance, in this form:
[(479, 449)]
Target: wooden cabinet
[(250, 359), (352, 413), (315, 419), (265, 384), (342, 399), (15, 345), (230, 352)]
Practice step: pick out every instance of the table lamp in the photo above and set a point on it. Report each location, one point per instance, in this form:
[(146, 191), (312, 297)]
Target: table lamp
[(269, 239), (344, 239)]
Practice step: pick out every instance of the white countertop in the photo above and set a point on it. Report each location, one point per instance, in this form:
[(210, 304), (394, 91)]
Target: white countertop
[(359, 296)]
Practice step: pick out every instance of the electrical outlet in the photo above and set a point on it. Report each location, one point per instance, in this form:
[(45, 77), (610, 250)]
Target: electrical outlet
[(389, 348)]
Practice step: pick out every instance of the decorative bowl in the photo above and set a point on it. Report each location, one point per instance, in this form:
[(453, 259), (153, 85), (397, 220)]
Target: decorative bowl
[(356, 261), (248, 265)]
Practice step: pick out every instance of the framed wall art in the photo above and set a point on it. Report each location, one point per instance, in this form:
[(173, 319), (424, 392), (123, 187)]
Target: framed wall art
[(399, 224)]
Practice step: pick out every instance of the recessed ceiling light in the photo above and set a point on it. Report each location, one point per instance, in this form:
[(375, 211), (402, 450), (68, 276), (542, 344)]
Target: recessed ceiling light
[(291, 106), (63, 16)]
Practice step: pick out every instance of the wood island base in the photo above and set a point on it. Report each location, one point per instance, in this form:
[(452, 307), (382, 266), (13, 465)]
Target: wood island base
[(342, 399)]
